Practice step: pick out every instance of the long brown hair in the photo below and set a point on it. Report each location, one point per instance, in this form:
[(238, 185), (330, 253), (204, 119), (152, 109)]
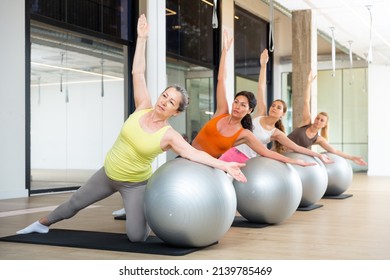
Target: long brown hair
[(279, 148)]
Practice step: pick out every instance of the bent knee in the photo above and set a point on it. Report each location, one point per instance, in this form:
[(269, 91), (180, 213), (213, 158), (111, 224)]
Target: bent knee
[(138, 235)]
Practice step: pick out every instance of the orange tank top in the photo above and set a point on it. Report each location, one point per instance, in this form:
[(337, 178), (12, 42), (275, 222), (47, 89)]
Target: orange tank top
[(211, 141)]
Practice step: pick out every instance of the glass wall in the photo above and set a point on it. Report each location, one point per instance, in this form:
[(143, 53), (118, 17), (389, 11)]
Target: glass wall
[(77, 105), (79, 53), (190, 61), (188, 36), (199, 84), (344, 98), (251, 38), (109, 17)]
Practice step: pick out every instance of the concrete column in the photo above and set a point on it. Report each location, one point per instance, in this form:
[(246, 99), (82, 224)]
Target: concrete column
[(304, 58)]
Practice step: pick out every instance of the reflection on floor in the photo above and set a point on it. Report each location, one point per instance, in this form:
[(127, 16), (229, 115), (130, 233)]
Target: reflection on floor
[(58, 178)]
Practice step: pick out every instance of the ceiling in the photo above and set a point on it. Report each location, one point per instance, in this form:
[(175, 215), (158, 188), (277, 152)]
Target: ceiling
[(57, 58), (354, 23)]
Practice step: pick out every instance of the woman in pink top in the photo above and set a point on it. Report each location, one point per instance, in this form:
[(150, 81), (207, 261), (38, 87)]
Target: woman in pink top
[(268, 128), (225, 129)]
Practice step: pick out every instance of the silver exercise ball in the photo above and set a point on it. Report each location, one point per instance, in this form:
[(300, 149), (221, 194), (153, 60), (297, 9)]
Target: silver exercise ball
[(188, 204), (340, 175), (272, 192), (314, 178)]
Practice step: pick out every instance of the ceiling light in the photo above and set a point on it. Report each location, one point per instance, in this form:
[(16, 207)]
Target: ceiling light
[(333, 53), (207, 2), (369, 54), (75, 70), (170, 12)]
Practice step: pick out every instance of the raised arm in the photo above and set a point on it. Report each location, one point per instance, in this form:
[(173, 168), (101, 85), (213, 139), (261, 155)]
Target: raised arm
[(173, 140), (141, 94), (262, 85), (306, 99), (285, 141), (222, 104), (327, 147)]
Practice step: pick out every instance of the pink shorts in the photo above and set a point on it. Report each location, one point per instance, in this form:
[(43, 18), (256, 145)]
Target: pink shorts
[(234, 155)]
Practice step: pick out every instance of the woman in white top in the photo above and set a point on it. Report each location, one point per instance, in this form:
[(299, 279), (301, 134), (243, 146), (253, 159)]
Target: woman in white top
[(268, 128)]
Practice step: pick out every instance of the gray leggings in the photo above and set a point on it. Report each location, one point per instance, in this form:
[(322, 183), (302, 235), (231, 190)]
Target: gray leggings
[(98, 187)]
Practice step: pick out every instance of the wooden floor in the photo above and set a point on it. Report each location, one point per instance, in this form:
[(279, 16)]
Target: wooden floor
[(356, 228)]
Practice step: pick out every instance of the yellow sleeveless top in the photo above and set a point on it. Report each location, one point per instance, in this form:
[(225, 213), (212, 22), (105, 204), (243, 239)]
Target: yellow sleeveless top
[(131, 156)]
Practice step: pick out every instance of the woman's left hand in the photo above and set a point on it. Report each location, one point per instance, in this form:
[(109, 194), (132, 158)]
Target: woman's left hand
[(325, 159), (359, 160), (142, 27), (233, 168)]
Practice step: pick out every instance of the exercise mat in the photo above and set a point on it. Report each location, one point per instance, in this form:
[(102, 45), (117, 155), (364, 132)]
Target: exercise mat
[(309, 207), (100, 241), (340, 196), (240, 221)]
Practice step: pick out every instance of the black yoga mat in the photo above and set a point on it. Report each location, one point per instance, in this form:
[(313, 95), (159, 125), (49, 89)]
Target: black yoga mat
[(100, 241), (238, 222), (340, 196), (309, 207)]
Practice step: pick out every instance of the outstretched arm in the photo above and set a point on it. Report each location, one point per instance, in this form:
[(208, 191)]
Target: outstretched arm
[(172, 139), (262, 85), (222, 104), (306, 99), (251, 140), (326, 146), (285, 141), (141, 94)]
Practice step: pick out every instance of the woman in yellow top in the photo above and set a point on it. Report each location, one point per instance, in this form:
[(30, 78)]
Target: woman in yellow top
[(127, 167)]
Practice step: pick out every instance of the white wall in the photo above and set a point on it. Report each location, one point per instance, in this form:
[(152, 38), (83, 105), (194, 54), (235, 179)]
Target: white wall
[(378, 120), (12, 99), (156, 55)]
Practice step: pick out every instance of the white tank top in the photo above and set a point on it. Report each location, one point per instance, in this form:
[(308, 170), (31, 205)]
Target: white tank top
[(262, 134)]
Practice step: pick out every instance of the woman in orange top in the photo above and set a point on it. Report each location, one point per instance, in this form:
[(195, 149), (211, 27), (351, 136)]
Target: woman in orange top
[(225, 129)]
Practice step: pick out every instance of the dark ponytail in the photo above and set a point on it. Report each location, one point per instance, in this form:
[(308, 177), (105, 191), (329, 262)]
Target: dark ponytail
[(247, 123)]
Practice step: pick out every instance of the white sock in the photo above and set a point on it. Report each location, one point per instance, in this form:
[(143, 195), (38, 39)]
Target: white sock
[(34, 227), (119, 212)]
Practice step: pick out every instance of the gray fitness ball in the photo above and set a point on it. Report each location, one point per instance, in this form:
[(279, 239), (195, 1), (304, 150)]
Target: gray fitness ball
[(340, 175), (314, 179), (271, 194), (188, 204)]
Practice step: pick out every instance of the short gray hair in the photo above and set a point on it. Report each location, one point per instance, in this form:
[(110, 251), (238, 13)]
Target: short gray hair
[(185, 100)]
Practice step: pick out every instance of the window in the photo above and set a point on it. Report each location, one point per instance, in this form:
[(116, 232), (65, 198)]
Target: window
[(109, 17)]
